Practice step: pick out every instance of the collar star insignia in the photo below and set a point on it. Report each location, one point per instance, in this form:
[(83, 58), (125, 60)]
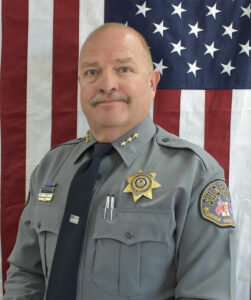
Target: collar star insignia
[(141, 184), (129, 139)]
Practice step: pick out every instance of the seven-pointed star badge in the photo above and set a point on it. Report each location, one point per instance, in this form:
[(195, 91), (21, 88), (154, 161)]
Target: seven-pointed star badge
[(141, 184)]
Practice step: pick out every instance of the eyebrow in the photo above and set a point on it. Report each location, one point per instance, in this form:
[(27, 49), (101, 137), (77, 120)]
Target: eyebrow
[(89, 64), (96, 63), (124, 60)]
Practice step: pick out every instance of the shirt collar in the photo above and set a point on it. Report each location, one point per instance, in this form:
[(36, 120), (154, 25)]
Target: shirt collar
[(129, 145)]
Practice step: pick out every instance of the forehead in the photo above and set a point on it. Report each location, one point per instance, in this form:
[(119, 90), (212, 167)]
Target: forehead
[(112, 44)]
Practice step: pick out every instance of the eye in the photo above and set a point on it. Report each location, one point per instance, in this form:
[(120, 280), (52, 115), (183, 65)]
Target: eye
[(91, 72), (124, 69)]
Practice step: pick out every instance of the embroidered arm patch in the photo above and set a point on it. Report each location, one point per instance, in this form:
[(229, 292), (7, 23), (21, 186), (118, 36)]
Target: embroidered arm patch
[(215, 204)]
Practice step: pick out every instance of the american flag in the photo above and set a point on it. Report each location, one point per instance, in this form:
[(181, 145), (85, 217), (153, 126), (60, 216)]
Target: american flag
[(202, 49)]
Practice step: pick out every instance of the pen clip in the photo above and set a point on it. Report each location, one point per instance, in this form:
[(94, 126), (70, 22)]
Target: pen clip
[(107, 205)]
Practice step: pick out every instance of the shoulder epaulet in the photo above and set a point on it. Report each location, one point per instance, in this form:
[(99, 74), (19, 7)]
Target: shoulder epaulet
[(68, 143), (167, 139)]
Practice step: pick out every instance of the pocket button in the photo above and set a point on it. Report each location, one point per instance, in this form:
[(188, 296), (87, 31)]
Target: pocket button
[(129, 235)]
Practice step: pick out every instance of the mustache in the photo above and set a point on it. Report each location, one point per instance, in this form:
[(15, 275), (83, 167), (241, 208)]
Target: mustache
[(114, 96)]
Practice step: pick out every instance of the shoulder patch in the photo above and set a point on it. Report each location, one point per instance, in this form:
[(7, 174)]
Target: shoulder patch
[(215, 204)]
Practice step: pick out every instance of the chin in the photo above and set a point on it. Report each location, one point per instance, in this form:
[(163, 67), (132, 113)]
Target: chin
[(112, 124)]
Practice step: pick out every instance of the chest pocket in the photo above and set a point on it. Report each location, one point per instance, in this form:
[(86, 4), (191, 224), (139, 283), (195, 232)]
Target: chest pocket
[(46, 221), (131, 251)]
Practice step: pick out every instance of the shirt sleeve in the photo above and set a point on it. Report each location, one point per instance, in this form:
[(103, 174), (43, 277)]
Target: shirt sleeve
[(25, 279), (206, 252)]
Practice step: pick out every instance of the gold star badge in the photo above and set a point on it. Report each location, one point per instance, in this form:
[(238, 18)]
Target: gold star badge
[(141, 184)]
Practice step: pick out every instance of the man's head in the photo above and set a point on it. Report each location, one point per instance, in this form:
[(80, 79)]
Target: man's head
[(117, 80)]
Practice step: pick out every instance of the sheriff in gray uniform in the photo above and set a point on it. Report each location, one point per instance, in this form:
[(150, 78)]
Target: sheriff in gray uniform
[(160, 224)]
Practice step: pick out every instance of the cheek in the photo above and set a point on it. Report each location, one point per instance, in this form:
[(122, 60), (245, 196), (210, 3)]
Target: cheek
[(86, 94), (136, 89), (141, 93), (83, 100)]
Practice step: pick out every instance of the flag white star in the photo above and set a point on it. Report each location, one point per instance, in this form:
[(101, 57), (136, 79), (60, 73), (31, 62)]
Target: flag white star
[(229, 30), (177, 47), (245, 48), (178, 10), (195, 29), (142, 9), (211, 49), (160, 66), (213, 11), (227, 68), (193, 68), (160, 28), (246, 11)]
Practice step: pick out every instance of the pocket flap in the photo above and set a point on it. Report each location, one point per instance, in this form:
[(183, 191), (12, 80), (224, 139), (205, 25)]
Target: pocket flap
[(46, 218), (130, 227)]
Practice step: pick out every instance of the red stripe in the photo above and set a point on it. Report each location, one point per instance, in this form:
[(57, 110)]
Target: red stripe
[(217, 126), (13, 119), (167, 110), (65, 70)]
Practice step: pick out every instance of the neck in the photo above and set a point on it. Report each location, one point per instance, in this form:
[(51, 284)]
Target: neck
[(111, 133)]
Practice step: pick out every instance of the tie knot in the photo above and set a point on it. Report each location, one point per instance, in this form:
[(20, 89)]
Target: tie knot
[(102, 149)]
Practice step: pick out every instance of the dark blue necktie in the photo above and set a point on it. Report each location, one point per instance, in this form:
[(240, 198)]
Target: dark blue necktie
[(64, 271)]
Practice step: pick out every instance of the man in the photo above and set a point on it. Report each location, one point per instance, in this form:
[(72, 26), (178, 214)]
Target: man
[(156, 227)]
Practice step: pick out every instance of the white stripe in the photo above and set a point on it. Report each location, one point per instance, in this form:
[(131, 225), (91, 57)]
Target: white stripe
[(91, 15), (39, 82), (239, 184), (192, 116)]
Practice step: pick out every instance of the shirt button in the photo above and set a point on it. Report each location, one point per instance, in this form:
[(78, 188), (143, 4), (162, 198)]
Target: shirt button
[(129, 235), (165, 140)]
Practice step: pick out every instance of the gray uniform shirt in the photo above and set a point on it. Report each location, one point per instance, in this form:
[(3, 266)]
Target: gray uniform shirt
[(173, 246)]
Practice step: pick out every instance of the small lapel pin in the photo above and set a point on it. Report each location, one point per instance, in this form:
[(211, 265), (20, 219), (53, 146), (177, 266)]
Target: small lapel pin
[(74, 219)]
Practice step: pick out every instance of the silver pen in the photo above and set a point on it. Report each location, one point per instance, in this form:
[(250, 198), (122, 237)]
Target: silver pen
[(111, 206), (107, 205)]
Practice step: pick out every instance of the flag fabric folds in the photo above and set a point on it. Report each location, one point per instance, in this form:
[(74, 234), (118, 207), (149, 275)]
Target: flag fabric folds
[(202, 49)]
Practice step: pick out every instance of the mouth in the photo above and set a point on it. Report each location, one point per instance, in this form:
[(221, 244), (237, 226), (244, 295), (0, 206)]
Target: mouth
[(114, 99), (108, 101)]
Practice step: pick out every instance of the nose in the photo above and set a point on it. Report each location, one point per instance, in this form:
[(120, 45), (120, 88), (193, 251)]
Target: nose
[(107, 82)]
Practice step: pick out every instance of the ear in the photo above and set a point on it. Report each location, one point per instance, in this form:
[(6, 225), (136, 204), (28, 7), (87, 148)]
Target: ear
[(154, 80)]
